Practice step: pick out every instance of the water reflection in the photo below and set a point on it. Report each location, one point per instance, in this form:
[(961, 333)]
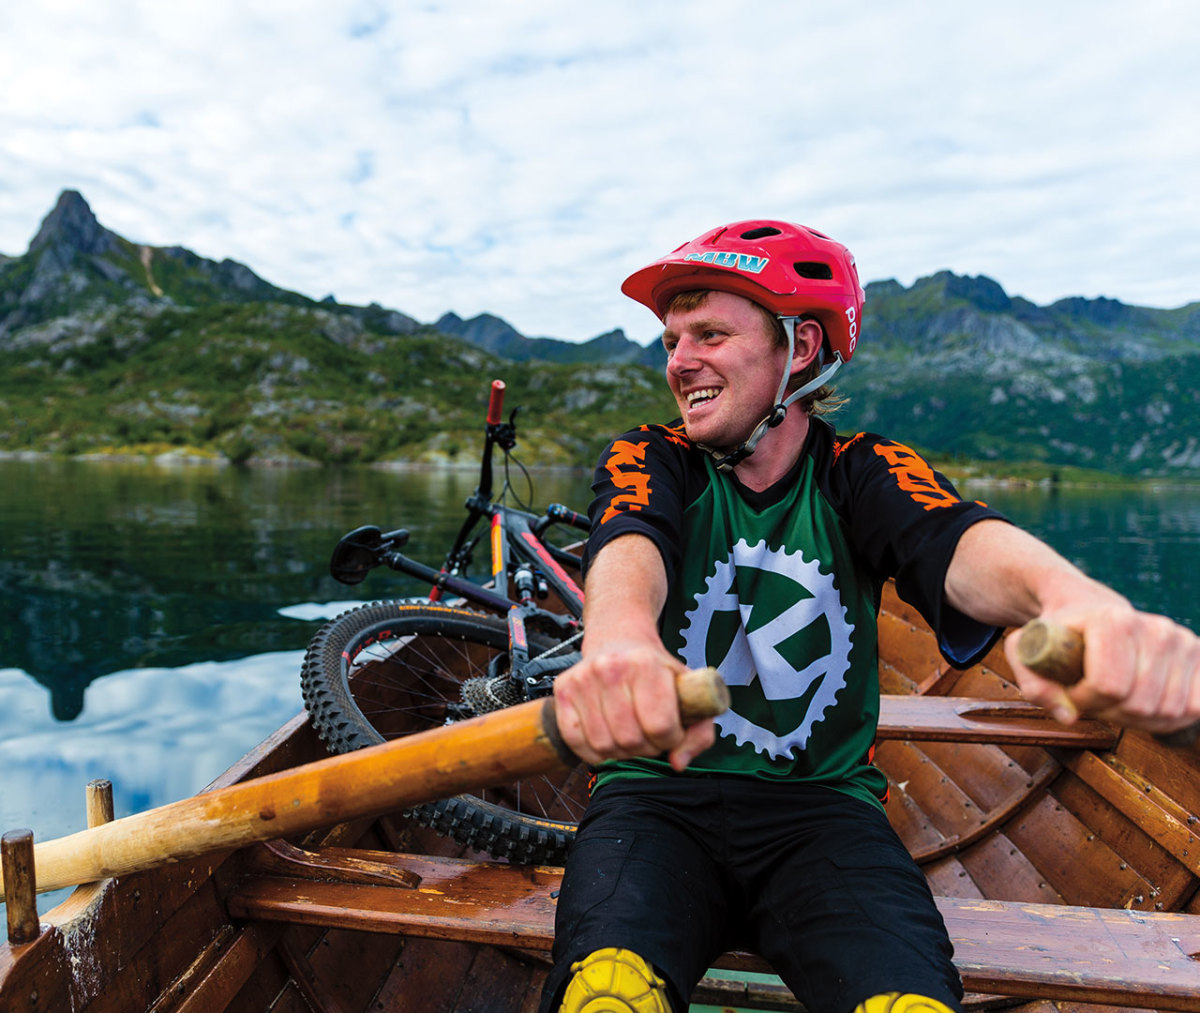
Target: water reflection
[(110, 566), (159, 734)]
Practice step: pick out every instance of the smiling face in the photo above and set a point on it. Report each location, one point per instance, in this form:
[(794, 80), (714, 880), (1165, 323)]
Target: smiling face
[(723, 366)]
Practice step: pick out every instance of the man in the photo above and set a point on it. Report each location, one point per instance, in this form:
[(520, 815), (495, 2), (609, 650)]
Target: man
[(748, 536)]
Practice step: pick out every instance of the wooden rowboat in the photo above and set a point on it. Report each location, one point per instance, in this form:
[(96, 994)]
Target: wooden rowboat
[(1066, 863)]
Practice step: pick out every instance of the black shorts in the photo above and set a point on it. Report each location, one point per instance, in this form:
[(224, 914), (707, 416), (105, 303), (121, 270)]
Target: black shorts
[(679, 870)]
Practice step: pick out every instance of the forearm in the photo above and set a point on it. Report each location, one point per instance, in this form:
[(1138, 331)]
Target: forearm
[(1004, 576), (625, 591)]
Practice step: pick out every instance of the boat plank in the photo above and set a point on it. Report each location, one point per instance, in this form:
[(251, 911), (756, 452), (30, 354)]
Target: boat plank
[(424, 976), (1175, 773), (332, 952), (730, 993), (214, 985), (36, 977), (130, 912), (1007, 948), (907, 817), (1082, 954), (894, 681), (1145, 805), (497, 980), (988, 774), (917, 657), (946, 806), (989, 682), (269, 988), (969, 719), (291, 1000), (1077, 863), (1000, 868), (950, 878), (1147, 846)]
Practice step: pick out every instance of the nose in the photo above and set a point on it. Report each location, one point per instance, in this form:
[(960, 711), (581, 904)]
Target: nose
[(683, 357)]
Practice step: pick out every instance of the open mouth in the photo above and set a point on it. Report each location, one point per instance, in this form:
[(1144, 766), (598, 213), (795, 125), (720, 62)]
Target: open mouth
[(701, 397)]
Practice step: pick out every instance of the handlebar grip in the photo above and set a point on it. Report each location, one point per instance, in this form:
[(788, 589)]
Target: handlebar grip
[(496, 403), (565, 515), (1056, 652)]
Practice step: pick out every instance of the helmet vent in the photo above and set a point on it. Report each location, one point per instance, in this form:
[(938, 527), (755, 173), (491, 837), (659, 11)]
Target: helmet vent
[(762, 232), (814, 269)]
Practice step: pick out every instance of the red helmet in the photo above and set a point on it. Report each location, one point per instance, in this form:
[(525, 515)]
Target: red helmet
[(790, 269)]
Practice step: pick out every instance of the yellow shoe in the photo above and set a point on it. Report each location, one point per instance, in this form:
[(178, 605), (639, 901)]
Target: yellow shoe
[(615, 981), (895, 1002)]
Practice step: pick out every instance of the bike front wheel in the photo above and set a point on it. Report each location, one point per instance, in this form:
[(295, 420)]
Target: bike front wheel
[(389, 669)]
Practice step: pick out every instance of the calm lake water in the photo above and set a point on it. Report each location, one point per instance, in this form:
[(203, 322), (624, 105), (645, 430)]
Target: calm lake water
[(153, 618)]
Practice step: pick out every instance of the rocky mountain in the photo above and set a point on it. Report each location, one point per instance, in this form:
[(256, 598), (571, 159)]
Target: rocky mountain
[(75, 265), (958, 365), (106, 343), (500, 338)]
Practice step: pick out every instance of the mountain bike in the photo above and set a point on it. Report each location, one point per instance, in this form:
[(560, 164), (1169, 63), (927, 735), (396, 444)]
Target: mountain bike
[(392, 668)]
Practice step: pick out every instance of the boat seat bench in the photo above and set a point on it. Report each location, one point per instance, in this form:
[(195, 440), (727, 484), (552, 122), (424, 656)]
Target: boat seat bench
[(1113, 956)]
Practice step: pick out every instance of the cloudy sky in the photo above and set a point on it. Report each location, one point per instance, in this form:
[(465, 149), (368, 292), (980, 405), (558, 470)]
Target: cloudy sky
[(522, 157)]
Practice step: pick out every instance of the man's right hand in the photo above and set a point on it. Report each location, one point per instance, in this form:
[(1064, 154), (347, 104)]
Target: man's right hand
[(621, 702)]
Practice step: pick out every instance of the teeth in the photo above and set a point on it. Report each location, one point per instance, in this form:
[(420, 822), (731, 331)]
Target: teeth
[(705, 394)]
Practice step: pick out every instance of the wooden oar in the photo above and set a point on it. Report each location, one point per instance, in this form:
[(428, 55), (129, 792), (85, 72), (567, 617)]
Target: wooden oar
[(495, 748), (1056, 652)]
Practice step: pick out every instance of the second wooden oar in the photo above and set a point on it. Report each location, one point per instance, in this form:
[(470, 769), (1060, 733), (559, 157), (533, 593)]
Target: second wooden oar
[(502, 746)]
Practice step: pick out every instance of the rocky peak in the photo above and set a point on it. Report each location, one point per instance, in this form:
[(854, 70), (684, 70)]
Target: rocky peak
[(613, 342), (1103, 311), (486, 330), (980, 291), (71, 225)]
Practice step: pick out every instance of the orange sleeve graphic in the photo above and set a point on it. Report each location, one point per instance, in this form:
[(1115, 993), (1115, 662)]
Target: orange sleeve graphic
[(626, 465), (675, 435), (840, 445), (915, 477)]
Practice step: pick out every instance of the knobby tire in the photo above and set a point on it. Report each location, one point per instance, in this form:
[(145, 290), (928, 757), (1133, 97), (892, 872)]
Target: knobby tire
[(389, 669)]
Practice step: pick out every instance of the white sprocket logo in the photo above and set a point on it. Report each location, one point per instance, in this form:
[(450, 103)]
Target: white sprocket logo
[(755, 656)]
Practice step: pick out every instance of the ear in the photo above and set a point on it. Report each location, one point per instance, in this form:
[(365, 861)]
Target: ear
[(809, 338)]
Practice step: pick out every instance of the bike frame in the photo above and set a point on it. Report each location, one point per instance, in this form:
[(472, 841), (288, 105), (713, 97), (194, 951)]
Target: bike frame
[(519, 553), (515, 534)]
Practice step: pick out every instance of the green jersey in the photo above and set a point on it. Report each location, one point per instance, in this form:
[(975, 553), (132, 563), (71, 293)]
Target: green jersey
[(779, 591)]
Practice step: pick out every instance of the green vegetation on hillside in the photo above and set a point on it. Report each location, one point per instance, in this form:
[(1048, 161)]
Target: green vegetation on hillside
[(265, 380)]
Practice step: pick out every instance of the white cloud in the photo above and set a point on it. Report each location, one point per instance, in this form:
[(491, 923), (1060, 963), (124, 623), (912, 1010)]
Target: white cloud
[(522, 158)]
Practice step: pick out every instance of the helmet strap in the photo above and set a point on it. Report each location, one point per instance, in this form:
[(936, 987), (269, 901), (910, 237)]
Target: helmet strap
[(727, 462)]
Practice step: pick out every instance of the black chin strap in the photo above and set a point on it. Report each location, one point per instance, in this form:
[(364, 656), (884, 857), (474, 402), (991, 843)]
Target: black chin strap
[(727, 462)]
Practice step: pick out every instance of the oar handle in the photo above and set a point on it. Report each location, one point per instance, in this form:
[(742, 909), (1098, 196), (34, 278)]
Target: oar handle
[(1056, 652), (702, 694)]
